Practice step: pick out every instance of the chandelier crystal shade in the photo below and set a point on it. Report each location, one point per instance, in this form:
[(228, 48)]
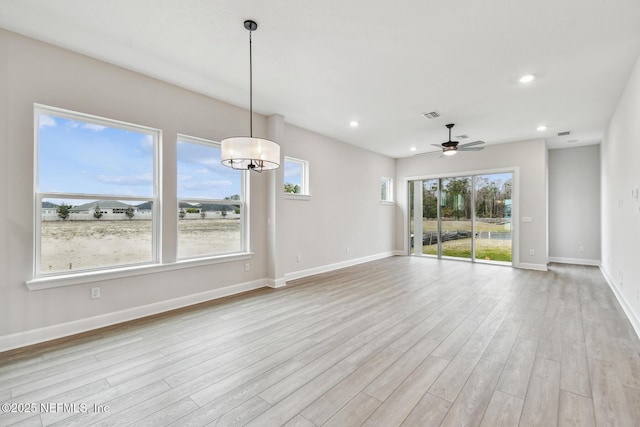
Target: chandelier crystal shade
[(247, 152)]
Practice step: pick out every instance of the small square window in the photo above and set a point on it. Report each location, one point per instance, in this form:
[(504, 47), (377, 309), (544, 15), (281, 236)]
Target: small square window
[(296, 176), (386, 189)]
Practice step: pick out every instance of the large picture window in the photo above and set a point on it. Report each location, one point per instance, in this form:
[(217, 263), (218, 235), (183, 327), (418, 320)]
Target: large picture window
[(212, 211), (96, 192)]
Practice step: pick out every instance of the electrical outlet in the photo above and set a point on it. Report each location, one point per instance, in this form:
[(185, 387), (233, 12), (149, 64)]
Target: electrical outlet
[(247, 267), (95, 293), (347, 250), (581, 248), (532, 252), (299, 258), (620, 274)]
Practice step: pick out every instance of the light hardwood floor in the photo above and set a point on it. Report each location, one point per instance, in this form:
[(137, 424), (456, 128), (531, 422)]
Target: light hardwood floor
[(397, 342)]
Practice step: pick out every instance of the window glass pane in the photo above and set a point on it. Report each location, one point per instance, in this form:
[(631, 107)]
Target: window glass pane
[(88, 234), (209, 228), (200, 174), (493, 217), (76, 156), (293, 177), (386, 189)]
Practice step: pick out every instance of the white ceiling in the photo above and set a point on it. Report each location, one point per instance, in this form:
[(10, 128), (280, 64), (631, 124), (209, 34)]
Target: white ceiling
[(324, 63)]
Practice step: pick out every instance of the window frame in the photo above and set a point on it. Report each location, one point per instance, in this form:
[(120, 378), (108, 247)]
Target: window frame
[(38, 196), (245, 239), (304, 178), (388, 196)]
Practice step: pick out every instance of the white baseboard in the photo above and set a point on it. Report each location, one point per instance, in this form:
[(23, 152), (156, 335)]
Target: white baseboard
[(576, 261), (276, 283), (326, 268), (633, 317), (36, 336), (526, 266)]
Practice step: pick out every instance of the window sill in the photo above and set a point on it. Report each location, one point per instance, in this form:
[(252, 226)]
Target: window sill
[(387, 203), (291, 196), (48, 282)]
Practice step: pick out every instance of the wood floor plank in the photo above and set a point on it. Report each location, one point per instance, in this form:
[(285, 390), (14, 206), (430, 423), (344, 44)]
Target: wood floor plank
[(168, 414), (550, 343), (299, 421), (243, 414), (575, 411), (627, 363), (470, 405), (503, 411), (401, 402), (453, 379), (235, 397), (574, 376), (541, 403), (392, 377), (355, 412), (453, 343), (515, 376), (430, 411), (331, 402), (609, 400), (288, 407), (633, 402)]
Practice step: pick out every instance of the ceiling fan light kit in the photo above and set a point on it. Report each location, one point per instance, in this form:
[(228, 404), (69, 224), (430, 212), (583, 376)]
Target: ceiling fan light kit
[(449, 148)]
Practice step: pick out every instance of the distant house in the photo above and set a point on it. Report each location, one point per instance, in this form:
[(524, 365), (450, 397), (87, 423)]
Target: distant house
[(110, 209)]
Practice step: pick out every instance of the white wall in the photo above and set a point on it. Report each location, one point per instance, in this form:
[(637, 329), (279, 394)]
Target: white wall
[(344, 210), (528, 158), (620, 176), (574, 205), (34, 72)]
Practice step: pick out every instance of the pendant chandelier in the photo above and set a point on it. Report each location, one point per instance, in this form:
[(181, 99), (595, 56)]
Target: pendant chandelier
[(248, 152)]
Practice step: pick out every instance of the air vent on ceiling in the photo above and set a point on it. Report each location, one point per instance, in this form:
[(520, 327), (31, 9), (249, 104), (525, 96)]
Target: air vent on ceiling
[(464, 136), (431, 115), (565, 133)]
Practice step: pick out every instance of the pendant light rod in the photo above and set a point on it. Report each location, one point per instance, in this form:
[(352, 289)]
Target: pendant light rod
[(247, 152), (251, 26)]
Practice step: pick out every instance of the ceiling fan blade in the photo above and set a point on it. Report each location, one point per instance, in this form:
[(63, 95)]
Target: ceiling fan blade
[(470, 148), (471, 144), (437, 145)]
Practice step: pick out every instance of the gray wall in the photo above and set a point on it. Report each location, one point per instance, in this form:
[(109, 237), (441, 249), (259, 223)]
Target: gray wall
[(620, 181), (343, 210), (528, 159), (574, 205)]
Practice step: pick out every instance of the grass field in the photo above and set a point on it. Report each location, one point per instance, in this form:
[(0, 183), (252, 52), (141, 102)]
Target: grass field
[(486, 249), (80, 245), (489, 250)]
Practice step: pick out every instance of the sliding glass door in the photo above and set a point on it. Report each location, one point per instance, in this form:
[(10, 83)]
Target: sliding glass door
[(456, 220), (463, 217), (493, 217)]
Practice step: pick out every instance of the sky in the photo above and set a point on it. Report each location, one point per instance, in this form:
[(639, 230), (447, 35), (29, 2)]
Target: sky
[(81, 157), (292, 173)]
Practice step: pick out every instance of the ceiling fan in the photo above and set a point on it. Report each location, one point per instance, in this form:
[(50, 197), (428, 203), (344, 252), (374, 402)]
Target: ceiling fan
[(450, 147)]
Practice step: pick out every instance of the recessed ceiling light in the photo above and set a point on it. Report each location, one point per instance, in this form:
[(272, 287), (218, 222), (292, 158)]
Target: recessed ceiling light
[(353, 124), (527, 78), (541, 128), (412, 148)]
